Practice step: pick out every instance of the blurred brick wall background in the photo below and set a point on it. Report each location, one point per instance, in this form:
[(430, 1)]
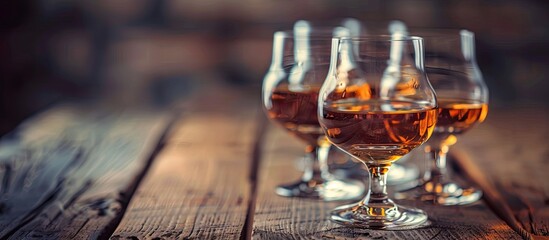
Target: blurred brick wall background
[(159, 52)]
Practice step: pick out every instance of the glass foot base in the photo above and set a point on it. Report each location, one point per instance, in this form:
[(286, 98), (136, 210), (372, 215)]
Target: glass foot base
[(327, 190), (438, 193), (383, 216)]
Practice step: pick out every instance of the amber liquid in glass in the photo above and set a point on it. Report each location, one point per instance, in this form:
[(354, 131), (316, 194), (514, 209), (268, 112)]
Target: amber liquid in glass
[(455, 116), (378, 132), (297, 112)]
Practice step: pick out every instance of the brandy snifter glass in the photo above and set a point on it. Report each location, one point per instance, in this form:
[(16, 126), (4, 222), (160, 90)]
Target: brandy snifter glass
[(290, 93), (462, 97), (377, 105), (400, 173)]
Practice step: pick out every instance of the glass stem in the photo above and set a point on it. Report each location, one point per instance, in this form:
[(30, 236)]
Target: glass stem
[(436, 152), (317, 163), (378, 185), (437, 162)]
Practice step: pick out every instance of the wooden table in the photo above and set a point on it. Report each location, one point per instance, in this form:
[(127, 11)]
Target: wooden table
[(207, 170)]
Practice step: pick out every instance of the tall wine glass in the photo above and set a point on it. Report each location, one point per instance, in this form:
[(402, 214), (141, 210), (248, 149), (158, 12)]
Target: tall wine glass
[(377, 107), (463, 102), (290, 94)]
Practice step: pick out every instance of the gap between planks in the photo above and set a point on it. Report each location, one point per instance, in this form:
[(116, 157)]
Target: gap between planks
[(253, 174), (109, 230)]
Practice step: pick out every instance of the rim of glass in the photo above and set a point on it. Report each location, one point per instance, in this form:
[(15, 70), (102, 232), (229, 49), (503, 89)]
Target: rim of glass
[(316, 33), (380, 38), (440, 32)]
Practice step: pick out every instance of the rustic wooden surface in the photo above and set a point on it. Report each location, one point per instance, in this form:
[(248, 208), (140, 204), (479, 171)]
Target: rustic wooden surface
[(283, 218), (511, 150), (200, 185), (74, 172), (69, 172)]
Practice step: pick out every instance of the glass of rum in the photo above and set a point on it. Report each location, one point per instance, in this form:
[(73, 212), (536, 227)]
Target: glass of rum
[(377, 105), (299, 66), (462, 97)]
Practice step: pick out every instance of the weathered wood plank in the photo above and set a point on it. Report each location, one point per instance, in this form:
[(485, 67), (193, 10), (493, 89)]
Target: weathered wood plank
[(287, 218), (511, 151), (69, 172), (199, 186)]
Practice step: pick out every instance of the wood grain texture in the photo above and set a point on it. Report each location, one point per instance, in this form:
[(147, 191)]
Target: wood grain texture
[(199, 187), (69, 172), (291, 218), (511, 151)]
